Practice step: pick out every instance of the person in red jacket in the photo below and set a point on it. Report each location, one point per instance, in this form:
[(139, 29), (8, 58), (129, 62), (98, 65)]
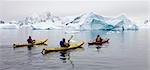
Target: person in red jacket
[(99, 39), (30, 41)]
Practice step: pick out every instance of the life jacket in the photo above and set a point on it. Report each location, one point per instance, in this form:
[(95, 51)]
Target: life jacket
[(64, 44), (98, 39), (30, 41)]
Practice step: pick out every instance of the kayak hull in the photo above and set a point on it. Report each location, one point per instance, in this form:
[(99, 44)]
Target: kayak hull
[(36, 43), (98, 43), (72, 46)]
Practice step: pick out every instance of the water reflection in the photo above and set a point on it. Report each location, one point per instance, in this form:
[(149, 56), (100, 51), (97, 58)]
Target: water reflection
[(98, 48), (29, 58), (65, 56)]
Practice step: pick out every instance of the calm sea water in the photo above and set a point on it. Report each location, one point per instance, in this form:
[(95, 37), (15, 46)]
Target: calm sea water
[(128, 50)]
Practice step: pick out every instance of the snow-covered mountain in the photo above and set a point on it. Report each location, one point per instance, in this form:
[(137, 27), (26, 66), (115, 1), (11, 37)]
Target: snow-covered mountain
[(40, 20), (86, 21)]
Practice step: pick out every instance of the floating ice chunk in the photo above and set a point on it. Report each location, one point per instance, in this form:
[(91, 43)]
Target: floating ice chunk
[(8, 26), (71, 32)]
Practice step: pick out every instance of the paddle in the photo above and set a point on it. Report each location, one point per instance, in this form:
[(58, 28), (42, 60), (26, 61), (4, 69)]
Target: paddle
[(70, 38)]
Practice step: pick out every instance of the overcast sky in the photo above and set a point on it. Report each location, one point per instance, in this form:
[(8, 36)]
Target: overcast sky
[(17, 9)]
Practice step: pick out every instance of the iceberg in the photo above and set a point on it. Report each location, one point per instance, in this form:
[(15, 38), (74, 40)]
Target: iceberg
[(71, 32), (122, 23), (8, 26), (88, 21), (92, 21)]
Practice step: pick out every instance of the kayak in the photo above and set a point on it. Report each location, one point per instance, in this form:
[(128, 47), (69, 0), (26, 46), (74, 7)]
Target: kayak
[(36, 43), (99, 43), (72, 46)]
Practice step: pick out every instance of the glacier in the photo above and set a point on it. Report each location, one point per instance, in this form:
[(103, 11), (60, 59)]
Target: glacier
[(85, 21)]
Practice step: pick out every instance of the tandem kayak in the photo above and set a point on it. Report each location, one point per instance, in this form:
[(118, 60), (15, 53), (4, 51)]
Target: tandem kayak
[(99, 43), (72, 46), (36, 43)]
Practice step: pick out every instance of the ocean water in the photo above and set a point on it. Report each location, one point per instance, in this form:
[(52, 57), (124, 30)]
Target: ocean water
[(126, 50)]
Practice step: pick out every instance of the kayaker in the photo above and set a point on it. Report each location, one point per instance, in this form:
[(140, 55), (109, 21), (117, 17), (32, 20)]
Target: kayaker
[(30, 41), (99, 39), (63, 43)]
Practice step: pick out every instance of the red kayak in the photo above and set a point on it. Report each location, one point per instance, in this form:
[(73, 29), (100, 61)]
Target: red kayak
[(99, 43)]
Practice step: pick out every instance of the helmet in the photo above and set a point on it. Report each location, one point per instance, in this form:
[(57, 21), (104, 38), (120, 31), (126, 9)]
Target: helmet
[(98, 35), (63, 39), (29, 36)]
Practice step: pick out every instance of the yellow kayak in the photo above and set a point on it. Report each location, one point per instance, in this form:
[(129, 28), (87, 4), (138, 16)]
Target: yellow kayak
[(36, 43), (72, 46)]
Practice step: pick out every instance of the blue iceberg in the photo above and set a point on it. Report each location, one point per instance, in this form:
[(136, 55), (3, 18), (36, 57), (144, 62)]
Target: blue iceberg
[(92, 21)]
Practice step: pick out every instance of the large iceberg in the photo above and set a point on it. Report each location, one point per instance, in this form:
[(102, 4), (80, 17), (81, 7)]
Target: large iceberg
[(92, 21), (88, 21)]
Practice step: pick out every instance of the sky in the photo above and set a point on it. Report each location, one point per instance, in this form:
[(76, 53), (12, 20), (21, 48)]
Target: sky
[(17, 9)]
